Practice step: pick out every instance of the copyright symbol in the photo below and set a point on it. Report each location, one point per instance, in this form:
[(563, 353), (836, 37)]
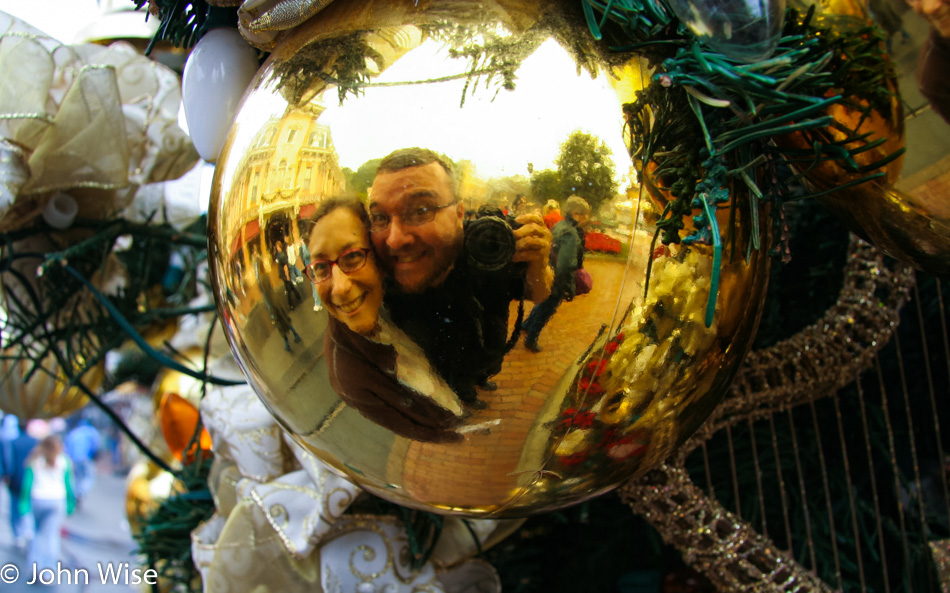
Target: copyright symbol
[(9, 573)]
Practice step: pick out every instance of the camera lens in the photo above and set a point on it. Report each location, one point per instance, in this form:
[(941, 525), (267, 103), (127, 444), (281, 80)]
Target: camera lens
[(489, 243)]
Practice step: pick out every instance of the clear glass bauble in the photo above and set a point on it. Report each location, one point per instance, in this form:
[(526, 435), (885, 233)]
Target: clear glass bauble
[(743, 30)]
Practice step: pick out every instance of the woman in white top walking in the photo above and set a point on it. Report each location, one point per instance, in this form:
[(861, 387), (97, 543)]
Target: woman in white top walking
[(47, 489)]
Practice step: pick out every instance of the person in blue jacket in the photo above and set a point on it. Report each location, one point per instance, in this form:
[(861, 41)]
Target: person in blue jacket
[(15, 447), (82, 444)]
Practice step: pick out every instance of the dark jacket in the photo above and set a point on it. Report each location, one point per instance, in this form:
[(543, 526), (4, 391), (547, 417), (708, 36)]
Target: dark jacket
[(461, 325), (567, 255), (363, 373), (933, 73), (13, 456)]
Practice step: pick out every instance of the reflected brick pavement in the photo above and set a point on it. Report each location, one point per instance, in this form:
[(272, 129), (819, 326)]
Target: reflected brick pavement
[(479, 471)]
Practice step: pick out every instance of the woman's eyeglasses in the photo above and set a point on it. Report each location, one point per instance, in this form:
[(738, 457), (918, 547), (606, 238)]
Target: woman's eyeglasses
[(349, 261), (412, 216)]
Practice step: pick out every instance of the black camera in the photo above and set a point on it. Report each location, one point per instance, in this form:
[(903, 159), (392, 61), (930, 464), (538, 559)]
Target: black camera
[(489, 241)]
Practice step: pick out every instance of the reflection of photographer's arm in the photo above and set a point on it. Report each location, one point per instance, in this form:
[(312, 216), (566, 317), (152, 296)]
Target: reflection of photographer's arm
[(933, 72), (532, 245)]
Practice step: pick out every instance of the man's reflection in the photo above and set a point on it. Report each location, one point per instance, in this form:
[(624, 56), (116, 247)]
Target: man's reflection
[(439, 299), (373, 366)]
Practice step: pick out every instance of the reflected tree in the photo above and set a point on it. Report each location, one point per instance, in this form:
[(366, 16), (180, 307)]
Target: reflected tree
[(358, 182), (545, 185), (586, 169)]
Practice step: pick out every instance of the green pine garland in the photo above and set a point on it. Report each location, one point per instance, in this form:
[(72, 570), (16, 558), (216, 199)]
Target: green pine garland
[(714, 119), (184, 22), (165, 539)]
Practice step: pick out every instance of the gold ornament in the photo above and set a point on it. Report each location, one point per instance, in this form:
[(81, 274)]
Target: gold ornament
[(912, 228), (147, 485), (626, 372), (45, 393)]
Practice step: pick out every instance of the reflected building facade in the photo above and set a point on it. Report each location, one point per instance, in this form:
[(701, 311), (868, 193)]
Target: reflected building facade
[(290, 167)]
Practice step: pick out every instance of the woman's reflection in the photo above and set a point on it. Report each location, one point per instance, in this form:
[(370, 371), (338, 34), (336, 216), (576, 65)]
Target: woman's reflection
[(373, 366)]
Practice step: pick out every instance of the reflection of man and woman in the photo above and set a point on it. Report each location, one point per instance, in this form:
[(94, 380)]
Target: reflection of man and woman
[(519, 205), (373, 366), (455, 311), (415, 328)]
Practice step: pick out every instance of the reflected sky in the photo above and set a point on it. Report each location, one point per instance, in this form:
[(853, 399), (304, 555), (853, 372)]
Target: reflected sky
[(501, 133)]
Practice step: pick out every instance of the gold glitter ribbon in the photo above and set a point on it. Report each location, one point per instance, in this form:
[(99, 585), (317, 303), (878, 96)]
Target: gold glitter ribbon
[(260, 21), (814, 363), (940, 550)]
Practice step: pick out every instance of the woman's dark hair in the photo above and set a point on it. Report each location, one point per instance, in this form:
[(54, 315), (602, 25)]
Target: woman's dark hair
[(351, 203)]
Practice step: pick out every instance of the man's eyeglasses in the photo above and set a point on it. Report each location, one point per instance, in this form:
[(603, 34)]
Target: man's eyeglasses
[(412, 216), (349, 261)]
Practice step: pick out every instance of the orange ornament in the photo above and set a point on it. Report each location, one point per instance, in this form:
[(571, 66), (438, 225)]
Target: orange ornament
[(179, 421)]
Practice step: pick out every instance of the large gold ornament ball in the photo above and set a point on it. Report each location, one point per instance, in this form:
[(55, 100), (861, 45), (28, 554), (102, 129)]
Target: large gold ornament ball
[(394, 368), (32, 390), (913, 228)]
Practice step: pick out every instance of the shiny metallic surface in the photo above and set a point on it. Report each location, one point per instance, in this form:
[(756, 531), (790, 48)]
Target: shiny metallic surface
[(914, 229), (625, 373)]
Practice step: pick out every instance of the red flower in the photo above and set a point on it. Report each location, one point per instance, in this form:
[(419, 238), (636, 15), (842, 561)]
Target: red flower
[(576, 418), (596, 367), (567, 417), (584, 419), (585, 385), (662, 250), (613, 344), (574, 458)]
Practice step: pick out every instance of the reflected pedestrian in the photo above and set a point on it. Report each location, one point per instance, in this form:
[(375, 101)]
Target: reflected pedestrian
[(933, 69), (275, 310), (567, 256), (551, 213), (283, 270)]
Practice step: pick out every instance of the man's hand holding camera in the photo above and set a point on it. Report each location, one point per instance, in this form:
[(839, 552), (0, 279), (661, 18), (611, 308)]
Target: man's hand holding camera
[(533, 246)]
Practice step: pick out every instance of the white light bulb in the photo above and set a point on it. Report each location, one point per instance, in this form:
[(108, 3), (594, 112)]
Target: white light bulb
[(60, 211), (216, 74)]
